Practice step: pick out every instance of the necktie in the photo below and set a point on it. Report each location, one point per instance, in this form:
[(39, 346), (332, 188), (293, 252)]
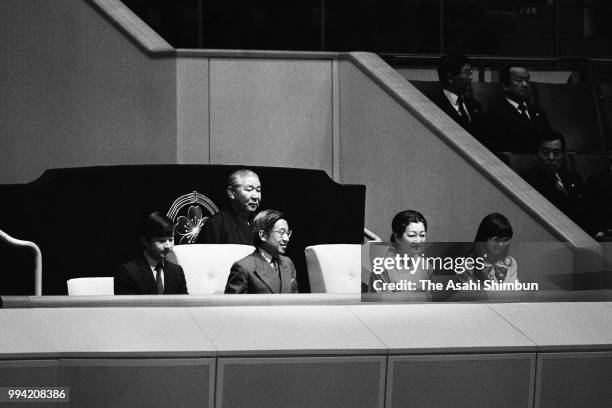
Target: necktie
[(462, 112), (158, 278), (559, 184), (276, 267), (523, 111)]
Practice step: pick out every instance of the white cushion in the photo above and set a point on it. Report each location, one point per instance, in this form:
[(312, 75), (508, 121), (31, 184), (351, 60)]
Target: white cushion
[(91, 286), (207, 266), (334, 268)]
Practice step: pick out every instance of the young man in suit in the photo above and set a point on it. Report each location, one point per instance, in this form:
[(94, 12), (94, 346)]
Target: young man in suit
[(150, 273), (267, 269), (456, 97), (513, 125)]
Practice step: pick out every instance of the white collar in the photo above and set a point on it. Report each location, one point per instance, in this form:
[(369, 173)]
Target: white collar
[(451, 96), (265, 255), (515, 104), (152, 262)]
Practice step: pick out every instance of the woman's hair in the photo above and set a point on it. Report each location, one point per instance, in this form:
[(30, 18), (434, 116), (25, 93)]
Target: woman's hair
[(493, 225), (402, 219)]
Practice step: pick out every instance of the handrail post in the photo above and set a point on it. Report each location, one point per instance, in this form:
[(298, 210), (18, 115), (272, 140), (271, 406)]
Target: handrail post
[(37, 259)]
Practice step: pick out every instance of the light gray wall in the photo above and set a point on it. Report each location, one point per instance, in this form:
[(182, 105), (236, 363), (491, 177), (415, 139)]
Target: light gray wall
[(193, 110), (271, 112), (75, 91), (255, 110)]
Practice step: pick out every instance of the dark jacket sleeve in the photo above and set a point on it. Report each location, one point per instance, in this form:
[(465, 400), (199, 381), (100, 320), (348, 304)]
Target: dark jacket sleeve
[(182, 282), (124, 284), (209, 233), (237, 281), (294, 284)]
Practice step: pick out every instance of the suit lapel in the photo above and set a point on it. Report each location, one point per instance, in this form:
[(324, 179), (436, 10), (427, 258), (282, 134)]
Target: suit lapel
[(265, 272), (168, 278), (450, 109), (286, 277), (147, 275)]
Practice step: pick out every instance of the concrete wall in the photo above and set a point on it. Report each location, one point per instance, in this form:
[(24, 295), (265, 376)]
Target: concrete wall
[(257, 111), (193, 110), (75, 91), (87, 83)]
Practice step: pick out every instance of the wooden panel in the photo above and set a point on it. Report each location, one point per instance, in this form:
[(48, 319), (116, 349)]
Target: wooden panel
[(271, 112), (461, 381), (140, 383), (441, 328), (286, 330), (561, 326), (301, 382), (569, 380)]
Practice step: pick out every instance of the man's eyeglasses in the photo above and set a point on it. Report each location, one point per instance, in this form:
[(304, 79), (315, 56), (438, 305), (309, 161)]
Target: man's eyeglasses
[(282, 232)]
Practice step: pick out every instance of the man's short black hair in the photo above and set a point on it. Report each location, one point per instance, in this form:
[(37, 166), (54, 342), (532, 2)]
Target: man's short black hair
[(156, 225), (264, 221), (549, 135), (504, 72), (450, 64)]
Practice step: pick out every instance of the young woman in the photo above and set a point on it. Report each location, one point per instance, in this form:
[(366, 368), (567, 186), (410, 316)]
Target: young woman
[(492, 243)]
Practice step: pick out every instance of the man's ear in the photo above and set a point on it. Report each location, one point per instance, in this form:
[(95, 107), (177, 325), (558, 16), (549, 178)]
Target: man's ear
[(230, 192), (450, 78), (144, 241), (262, 235)]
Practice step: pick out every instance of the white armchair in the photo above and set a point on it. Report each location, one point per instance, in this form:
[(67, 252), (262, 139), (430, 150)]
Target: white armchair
[(207, 266), (334, 268), (91, 286)]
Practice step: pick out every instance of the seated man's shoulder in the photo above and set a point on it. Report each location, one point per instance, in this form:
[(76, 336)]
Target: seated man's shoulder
[(172, 265), (532, 174), (572, 175), (248, 262), (131, 265), (285, 259), (497, 111)]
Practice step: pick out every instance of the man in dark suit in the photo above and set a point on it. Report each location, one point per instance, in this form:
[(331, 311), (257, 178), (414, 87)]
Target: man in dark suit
[(150, 273), (455, 97), (266, 270), (563, 188), (232, 225), (513, 125)]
